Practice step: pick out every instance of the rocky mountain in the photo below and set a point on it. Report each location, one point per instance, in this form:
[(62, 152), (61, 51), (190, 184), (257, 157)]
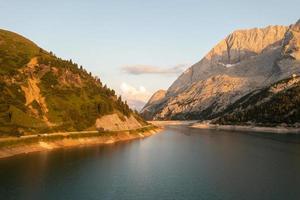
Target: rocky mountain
[(154, 103), (41, 92), (245, 61)]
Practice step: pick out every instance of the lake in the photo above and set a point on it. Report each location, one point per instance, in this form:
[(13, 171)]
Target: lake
[(178, 163)]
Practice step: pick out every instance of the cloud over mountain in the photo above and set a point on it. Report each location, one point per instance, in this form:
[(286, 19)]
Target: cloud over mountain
[(149, 69), (136, 97)]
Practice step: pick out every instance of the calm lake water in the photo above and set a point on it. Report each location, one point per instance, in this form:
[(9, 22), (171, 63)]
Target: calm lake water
[(179, 163)]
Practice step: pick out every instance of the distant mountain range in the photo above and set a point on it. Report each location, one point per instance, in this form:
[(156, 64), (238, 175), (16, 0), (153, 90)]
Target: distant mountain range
[(41, 92), (249, 77)]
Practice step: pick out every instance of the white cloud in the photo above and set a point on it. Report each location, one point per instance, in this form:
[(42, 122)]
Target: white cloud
[(148, 69), (135, 97)]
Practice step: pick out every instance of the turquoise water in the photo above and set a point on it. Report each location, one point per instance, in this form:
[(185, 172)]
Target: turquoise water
[(179, 163)]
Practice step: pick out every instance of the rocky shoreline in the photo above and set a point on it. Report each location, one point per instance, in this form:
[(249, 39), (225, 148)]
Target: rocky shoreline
[(208, 125), (41, 145), (172, 122), (278, 130)]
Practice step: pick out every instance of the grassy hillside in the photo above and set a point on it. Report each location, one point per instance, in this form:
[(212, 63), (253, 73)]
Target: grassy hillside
[(15, 51), (41, 92)]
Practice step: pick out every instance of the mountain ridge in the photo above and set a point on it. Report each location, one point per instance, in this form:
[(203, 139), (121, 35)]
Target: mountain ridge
[(246, 60)]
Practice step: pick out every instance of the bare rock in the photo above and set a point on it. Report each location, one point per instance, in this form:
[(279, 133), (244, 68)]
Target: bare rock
[(244, 61)]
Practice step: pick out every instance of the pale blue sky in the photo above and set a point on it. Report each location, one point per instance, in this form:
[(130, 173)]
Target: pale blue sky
[(106, 36)]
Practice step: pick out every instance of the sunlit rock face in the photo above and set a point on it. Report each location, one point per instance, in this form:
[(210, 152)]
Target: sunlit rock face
[(244, 61), (153, 104), (291, 44), (238, 47), (289, 62)]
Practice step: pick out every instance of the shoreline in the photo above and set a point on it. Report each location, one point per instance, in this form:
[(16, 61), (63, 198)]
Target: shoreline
[(172, 122), (46, 143), (274, 130)]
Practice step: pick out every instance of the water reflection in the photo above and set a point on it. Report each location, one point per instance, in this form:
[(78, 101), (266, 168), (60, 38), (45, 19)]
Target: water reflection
[(180, 163)]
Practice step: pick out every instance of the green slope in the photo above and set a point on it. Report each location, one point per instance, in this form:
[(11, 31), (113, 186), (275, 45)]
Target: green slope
[(15, 51), (43, 93)]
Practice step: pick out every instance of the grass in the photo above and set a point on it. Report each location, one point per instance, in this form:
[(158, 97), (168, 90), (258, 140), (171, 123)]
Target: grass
[(15, 51), (19, 118)]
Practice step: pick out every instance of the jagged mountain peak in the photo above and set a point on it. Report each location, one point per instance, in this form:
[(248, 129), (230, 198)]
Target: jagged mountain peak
[(239, 46), (244, 61), (291, 43), (245, 43)]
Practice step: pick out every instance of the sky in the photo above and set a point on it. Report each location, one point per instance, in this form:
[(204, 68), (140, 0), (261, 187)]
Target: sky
[(138, 46)]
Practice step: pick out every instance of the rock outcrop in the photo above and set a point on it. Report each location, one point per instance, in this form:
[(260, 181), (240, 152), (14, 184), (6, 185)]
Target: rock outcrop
[(244, 61), (115, 122), (291, 43)]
